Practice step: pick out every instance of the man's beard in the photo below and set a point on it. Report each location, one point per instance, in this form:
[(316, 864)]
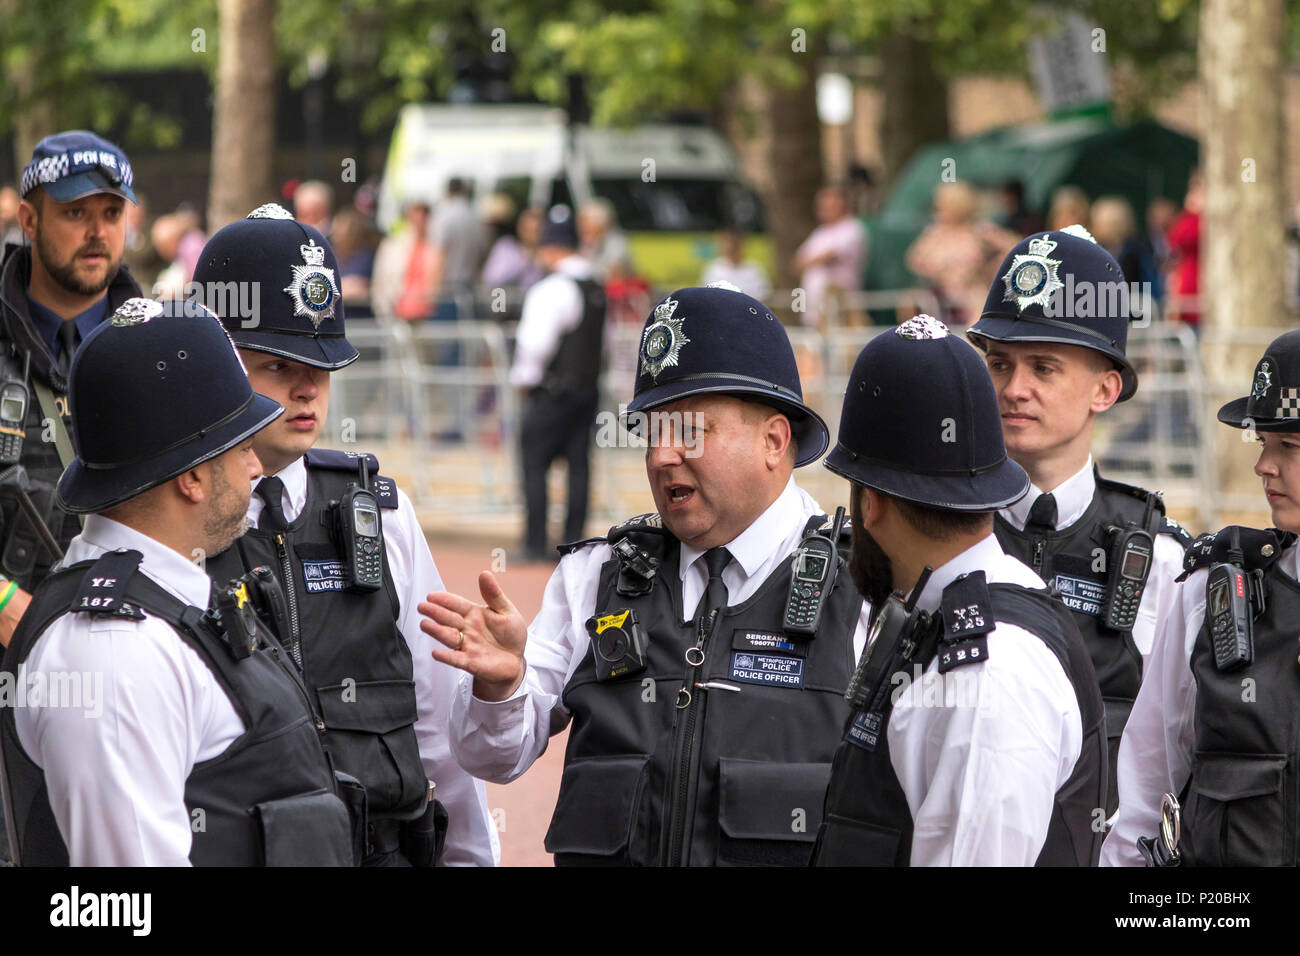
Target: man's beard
[(65, 274), (224, 524), (869, 566)]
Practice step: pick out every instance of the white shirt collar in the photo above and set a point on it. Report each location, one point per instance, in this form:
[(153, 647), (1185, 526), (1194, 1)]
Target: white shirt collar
[(294, 499), (1073, 496), (985, 555), (169, 568), (753, 546), (577, 266)]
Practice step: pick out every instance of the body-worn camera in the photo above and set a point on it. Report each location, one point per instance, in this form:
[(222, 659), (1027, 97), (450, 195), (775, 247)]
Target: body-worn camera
[(618, 644), (241, 603), (815, 564), (360, 534)]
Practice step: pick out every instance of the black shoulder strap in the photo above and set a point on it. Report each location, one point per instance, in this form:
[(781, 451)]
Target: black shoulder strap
[(1259, 549)]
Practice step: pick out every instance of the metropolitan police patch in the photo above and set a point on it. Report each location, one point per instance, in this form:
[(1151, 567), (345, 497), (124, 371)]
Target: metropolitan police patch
[(312, 287), (663, 339), (1032, 277)]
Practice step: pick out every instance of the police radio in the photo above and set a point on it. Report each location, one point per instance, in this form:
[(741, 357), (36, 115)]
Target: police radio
[(360, 535), (815, 564), (14, 397), (1129, 565), (1228, 593), (890, 641)]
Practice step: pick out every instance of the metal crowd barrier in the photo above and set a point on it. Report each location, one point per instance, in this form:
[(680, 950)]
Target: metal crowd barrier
[(439, 392)]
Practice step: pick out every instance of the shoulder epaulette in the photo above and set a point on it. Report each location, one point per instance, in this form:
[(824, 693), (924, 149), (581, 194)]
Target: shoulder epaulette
[(821, 524), (1133, 491), (340, 460), (1176, 531), (966, 613), (650, 521), (104, 586), (1259, 549), (328, 459)]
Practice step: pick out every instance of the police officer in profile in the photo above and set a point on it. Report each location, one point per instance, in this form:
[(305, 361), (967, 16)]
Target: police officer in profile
[(156, 729), (53, 293), (701, 651), (347, 549), (977, 736), (1053, 333), (1214, 724)]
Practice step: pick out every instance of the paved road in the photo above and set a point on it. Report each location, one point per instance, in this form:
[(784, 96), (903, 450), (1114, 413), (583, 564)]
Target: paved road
[(523, 808)]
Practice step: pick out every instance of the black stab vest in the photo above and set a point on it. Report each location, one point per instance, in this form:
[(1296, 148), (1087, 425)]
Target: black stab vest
[(268, 799), (867, 820), (355, 662), (1241, 808), (1065, 559), (730, 778), (575, 365)]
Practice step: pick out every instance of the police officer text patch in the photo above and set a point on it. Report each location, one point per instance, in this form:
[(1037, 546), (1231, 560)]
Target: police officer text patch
[(1081, 589), (770, 670), (328, 574), (865, 730)]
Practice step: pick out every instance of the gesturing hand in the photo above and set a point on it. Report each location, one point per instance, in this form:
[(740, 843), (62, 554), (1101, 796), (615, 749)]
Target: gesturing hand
[(486, 640)]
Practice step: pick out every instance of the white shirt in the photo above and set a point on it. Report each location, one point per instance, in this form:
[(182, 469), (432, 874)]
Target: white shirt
[(847, 238), (116, 766), (552, 307), (499, 741), (1155, 754), (471, 834), (748, 276), (981, 750), (1074, 497)]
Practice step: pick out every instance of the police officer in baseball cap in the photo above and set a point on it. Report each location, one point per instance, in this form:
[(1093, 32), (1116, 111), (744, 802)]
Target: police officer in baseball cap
[(701, 650), (54, 290), (972, 671), (1195, 734), (352, 560), (196, 712), (1054, 332)]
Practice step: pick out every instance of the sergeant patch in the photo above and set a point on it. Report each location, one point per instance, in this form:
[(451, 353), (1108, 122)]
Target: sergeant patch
[(767, 642), (769, 669)]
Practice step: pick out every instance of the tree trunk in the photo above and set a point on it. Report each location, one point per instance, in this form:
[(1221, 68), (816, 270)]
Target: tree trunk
[(1241, 280), (243, 124), (796, 156), (38, 117), (915, 107)]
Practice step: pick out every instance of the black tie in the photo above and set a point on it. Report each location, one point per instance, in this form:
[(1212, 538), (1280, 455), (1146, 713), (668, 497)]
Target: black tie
[(715, 594), (271, 490), (1042, 516), (68, 344)]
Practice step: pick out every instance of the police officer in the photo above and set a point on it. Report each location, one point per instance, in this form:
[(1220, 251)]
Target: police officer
[(353, 565), (557, 364), (1214, 724), (52, 294), (977, 732), (1053, 332), (704, 715), (146, 731)]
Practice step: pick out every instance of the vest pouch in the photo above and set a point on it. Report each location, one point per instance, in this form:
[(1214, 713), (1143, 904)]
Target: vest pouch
[(1236, 815), (311, 829), (597, 811), (848, 842), (769, 813), (370, 732)]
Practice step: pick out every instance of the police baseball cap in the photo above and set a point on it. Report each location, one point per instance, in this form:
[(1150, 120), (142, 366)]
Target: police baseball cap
[(921, 422), (78, 163), (1273, 404), (716, 339), (155, 390), (287, 272), (1061, 287)]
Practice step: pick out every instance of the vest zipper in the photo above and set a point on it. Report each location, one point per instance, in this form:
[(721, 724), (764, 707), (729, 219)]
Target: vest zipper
[(686, 762), (295, 638), (1039, 545)]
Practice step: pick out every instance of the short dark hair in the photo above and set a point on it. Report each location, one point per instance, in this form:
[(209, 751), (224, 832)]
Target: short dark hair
[(943, 524)]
